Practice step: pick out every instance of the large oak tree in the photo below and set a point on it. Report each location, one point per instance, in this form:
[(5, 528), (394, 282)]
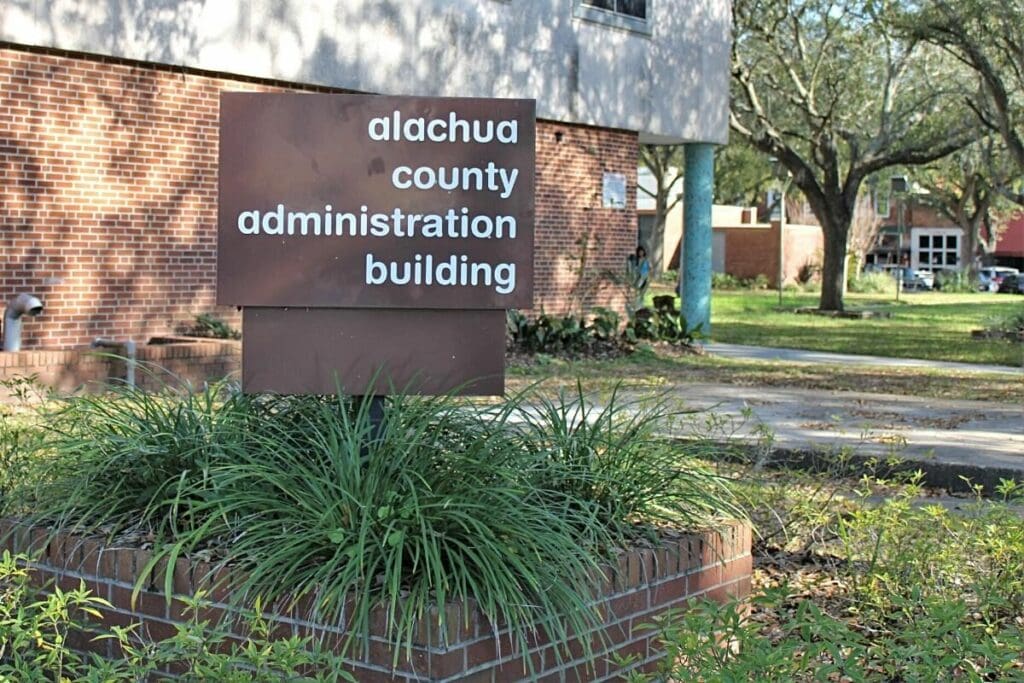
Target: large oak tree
[(988, 38), (834, 92)]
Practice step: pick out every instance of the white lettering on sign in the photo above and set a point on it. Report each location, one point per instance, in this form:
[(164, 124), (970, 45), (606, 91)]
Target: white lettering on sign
[(421, 269), (454, 224), (449, 271), (451, 129), (490, 178)]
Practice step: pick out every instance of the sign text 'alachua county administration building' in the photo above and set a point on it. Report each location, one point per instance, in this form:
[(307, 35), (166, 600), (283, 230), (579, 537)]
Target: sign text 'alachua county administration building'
[(356, 201)]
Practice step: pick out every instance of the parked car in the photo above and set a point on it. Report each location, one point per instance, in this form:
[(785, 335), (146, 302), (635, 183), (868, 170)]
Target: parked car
[(990, 278), (915, 279), (1013, 284)]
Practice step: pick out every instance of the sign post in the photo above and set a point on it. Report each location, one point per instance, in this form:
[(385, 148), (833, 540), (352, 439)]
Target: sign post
[(375, 242)]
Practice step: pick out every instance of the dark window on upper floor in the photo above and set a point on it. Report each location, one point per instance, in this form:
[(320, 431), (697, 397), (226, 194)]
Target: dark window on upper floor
[(630, 8), (633, 15)]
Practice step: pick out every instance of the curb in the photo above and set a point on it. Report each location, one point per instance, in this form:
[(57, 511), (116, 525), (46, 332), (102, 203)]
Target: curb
[(951, 477)]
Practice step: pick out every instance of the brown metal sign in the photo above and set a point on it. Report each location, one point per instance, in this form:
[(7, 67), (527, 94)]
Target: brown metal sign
[(357, 201), (365, 351)]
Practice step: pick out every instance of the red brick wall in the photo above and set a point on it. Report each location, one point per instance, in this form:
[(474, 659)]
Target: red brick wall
[(754, 251), (108, 196), (750, 252), (641, 586), (919, 216), (805, 245), (571, 161)]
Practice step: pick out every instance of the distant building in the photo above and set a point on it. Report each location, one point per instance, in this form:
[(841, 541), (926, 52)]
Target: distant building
[(923, 238), (745, 240), (1009, 249)]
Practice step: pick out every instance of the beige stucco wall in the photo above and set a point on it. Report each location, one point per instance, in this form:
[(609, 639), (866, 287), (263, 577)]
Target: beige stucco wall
[(670, 83)]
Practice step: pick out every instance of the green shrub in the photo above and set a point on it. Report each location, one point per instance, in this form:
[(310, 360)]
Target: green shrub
[(610, 461), (872, 283), (37, 625), (208, 325), (604, 326), (956, 281), (664, 324), (434, 508), (907, 592), (727, 281), (570, 335), (548, 333), (1011, 323), (116, 459)]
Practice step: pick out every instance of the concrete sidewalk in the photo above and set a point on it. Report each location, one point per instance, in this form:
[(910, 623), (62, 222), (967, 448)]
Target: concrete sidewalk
[(977, 439), (802, 356), (965, 434)]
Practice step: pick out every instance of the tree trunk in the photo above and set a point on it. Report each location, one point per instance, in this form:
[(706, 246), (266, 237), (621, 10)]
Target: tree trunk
[(970, 247), (833, 269), (656, 247)]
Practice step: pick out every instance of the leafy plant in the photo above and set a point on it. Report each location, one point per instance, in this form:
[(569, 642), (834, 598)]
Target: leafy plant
[(432, 508), (39, 625), (890, 590), (955, 281), (872, 283), (727, 281), (663, 324), (611, 461), (563, 334), (1010, 323), (604, 326), (208, 325)]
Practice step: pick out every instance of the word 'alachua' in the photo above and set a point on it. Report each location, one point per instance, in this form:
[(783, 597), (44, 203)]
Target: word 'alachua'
[(451, 129)]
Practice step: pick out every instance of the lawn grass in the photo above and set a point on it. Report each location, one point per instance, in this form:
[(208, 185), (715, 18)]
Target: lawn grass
[(659, 366), (926, 325)]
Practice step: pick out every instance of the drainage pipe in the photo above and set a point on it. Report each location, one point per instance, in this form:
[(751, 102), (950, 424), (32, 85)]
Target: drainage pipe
[(20, 305), (130, 354)]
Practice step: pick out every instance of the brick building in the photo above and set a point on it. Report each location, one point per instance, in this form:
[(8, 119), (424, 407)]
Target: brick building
[(108, 148), (1009, 249)]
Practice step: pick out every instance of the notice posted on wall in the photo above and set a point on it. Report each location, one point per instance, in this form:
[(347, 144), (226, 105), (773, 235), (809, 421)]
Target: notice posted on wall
[(613, 195), (353, 201)]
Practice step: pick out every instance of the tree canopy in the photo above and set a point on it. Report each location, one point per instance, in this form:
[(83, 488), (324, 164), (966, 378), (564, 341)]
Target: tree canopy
[(836, 92), (988, 38)]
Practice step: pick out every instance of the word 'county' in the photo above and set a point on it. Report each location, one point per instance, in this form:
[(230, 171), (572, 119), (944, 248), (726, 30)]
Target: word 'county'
[(490, 178), (451, 129)]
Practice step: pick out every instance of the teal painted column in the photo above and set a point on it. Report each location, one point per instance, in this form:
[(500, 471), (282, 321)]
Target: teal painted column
[(698, 194)]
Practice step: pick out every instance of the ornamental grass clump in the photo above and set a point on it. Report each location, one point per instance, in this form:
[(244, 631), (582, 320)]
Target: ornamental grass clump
[(511, 507), (112, 461), (612, 456), (428, 509)]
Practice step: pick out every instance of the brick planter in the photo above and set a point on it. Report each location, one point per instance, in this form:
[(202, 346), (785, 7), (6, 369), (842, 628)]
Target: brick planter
[(171, 360), (643, 584)]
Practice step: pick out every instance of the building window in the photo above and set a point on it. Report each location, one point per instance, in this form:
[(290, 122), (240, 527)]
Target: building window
[(631, 8), (633, 15), (882, 204), (938, 250)]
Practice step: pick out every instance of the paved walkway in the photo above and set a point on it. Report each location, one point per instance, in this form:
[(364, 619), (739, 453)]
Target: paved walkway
[(968, 433), (959, 437), (802, 356)]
